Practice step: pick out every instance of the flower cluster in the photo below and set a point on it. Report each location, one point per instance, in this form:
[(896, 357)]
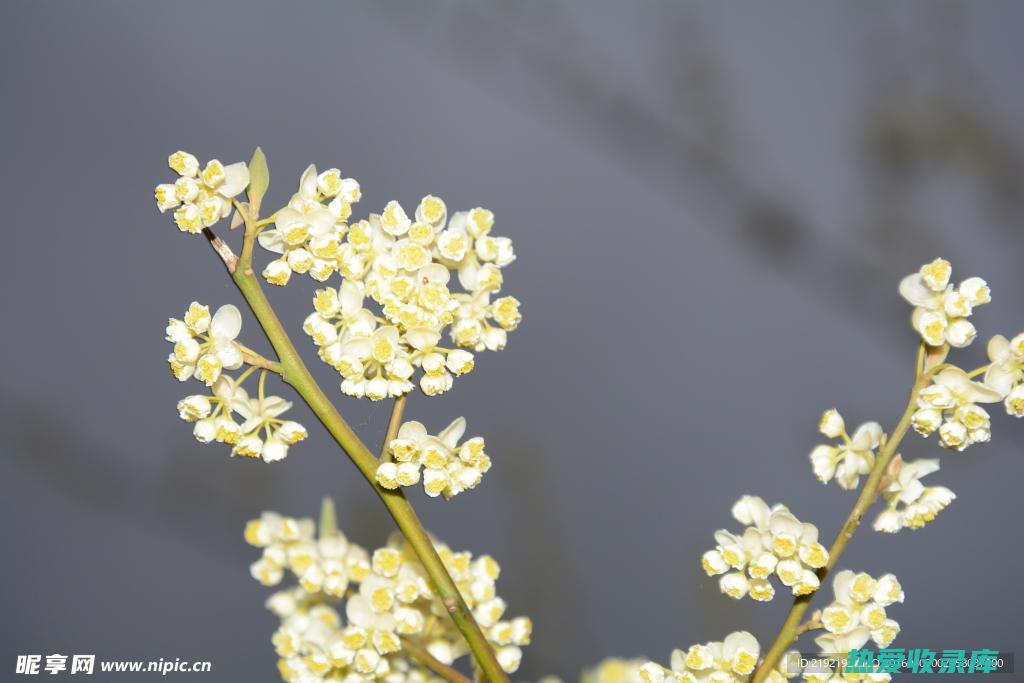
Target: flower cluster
[(200, 198), (375, 358), (348, 615), (402, 266), (1005, 373), (446, 467), (261, 434), (326, 564), (308, 232), (774, 542), (941, 310), (851, 458), (949, 405), (731, 660), (205, 346), (858, 612), (911, 504)]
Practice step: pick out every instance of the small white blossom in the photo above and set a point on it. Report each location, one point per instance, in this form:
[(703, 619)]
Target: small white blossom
[(850, 459), (385, 597), (911, 504), (446, 466), (858, 612), (949, 405), (774, 542), (731, 660), (204, 346), (1005, 372), (941, 310), (200, 199)]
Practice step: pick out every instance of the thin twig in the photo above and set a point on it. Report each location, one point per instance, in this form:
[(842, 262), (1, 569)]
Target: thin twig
[(257, 360), (420, 654), (868, 495), (295, 372), (397, 411)]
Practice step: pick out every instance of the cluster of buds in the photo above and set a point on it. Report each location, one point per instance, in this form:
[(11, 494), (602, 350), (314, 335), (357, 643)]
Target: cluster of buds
[(204, 347), (403, 265), (262, 433), (350, 611), (445, 466), (200, 198), (307, 233), (949, 405), (400, 265), (941, 310), (321, 564), (374, 357), (857, 614), (774, 542), (849, 459)]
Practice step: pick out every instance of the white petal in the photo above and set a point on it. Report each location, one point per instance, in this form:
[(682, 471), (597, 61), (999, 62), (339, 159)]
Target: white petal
[(236, 179), (1001, 376), (914, 290), (321, 222), (451, 434), (307, 183), (422, 338), (230, 357), (271, 240), (275, 405), (350, 295), (867, 436), (998, 348), (226, 323), (358, 609), (751, 510)]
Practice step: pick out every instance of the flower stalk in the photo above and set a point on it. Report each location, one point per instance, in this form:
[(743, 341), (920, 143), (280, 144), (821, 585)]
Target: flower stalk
[(294, 372), (419, 653), (792, 627)]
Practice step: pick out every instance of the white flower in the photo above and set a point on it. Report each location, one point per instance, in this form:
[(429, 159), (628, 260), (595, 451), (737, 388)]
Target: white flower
[(260, 415), (261, 433), (204, 346), (445, 466), (401, 268), (941, 311), (382, 599), (858, 613), (774, 542), (1005, 373), (850, 459), (200, 198), (308, 232), (1015, 401), (732, 660), (911, 504), (949, 404)]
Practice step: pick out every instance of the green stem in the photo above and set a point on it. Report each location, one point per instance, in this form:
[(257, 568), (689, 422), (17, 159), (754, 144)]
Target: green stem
[(295, 373), (420, 654), (869, 493)]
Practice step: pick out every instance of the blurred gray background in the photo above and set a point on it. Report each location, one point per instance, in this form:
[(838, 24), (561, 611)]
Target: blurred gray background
[(712, 204)]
